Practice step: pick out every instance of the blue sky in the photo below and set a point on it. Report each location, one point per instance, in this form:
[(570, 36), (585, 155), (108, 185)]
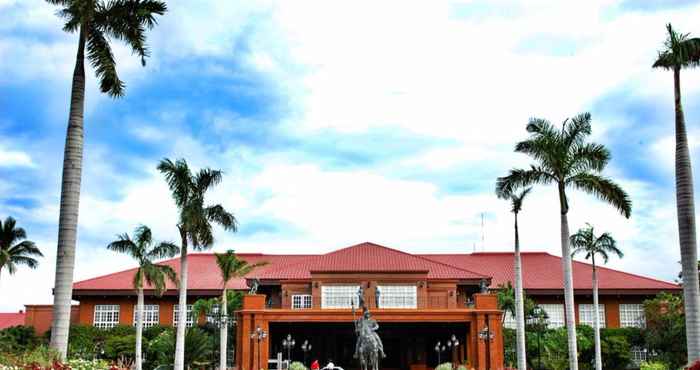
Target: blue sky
[(343, 122)]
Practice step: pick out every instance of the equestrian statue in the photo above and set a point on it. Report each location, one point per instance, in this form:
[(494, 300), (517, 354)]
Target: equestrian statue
[(368, 347)]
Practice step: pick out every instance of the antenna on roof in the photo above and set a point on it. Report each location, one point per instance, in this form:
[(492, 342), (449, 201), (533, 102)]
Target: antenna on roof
[(483, 248)]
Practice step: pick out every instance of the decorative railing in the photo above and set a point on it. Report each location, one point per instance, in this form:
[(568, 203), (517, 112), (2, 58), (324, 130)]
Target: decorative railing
[(388, 303)]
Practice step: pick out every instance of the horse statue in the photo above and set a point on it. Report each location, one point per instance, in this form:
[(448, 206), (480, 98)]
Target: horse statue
[(368, 347)]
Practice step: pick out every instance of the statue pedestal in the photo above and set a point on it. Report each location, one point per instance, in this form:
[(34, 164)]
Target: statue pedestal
[(254, 302)]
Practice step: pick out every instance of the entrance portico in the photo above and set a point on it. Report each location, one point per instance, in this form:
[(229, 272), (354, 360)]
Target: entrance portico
[(409, 335)]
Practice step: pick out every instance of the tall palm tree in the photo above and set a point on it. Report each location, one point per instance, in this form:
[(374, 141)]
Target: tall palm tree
[(142, 249), (516, 206), (566, 160), (586, 242), (15, 249), (96, 22), (194, 225), (680, 52), (229, 266)]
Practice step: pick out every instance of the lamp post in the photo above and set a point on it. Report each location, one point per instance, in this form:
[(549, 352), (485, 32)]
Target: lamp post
[(259, 335), (219, 320), (439, 348), (453, 343), (306, 347), (288, 343), (540, 321)]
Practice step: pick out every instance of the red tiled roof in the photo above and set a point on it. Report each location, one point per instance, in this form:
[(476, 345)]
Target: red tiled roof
[(368, 257), (543, 271), (202, 273), (10, 319)]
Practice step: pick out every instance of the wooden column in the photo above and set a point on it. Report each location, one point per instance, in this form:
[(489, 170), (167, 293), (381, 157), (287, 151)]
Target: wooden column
[(481, 345), (496, 344)]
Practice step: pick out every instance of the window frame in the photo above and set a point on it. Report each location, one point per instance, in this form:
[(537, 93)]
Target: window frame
[(639, 322), (305, 301), (386, 296), (148, 315), (586, 309), (189, 318), (350, 294), (104, 312), (559, 309)]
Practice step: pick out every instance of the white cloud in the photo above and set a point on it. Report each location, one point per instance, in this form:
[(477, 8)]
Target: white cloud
[(14, 158)]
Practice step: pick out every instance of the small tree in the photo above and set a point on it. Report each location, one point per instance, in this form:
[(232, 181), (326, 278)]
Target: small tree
[(145, 252), (665, 333)]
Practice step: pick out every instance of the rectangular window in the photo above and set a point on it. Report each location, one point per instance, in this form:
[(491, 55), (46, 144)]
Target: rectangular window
[(555, 314), (213, 315), (632, 315), (586, 315), (301, 301), (106, 315), (339, 296), (151, 315), (189, 317), (398, 296), (509, 321)]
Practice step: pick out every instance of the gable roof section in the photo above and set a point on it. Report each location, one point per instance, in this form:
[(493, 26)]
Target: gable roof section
[(10, 319), (203, 274), (542, 271), (368, 257)]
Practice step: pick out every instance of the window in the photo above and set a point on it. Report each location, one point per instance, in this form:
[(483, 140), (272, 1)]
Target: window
[(339, 296), (586, 315), (632, 315), (300, 301), (151, 315), (189, 319), (213, 315), (106, 315), (555, 314), (398, 296), (509, 321)]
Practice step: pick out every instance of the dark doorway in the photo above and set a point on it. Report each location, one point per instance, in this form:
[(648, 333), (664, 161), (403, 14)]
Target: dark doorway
[(404, 343)]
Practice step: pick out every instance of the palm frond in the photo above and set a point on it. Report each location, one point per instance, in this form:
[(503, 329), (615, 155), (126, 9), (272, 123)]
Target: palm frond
[(207, 178), (24, 260), (576, 129), (163, 250), (179, 178), (25, 248), (99, 53), (517, 200), (219, 215), (143, 236), (588, 157), (679, 51), (519, 178), (604, 189), (124, 244)]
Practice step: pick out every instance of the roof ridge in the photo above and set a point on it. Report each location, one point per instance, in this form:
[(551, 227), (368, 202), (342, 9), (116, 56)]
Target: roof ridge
[(452, 266)]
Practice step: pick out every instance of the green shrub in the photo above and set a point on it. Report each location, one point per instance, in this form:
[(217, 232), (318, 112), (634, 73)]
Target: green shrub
[(120, 331), (652, 366), (665, 333), (152, 332), (85, 341), (198, 348), (18, 339), (296, 365), (444, 366), (80, 364), (42, 356), (120, 347)]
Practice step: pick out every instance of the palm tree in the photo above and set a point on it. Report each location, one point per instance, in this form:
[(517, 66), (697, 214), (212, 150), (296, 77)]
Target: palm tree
[(517, 205), (229, 266), (142, 249), (14, 249), (96, 22), (194, 224), (565, 159), (680, 52), (586, 242)]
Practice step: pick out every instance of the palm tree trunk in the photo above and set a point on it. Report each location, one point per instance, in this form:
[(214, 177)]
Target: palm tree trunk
[(224, 332), (519, 304), (596, 322), (139, 328), (685, 204), (568, 280), (182, 308), (68, 214)]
